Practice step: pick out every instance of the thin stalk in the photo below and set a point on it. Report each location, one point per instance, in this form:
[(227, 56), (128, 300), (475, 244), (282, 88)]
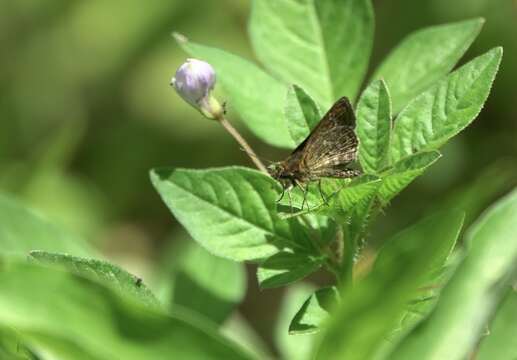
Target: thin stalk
[(348, 257), (243, 143)]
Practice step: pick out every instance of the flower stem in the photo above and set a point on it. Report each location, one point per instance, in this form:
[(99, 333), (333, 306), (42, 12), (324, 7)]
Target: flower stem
[(245, 146)]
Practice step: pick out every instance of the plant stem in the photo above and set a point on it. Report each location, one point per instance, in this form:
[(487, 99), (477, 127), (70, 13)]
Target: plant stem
[(347, 262), (245, 146)]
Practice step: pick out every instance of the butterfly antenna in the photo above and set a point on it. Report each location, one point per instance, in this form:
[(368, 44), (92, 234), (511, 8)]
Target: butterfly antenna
[(256, 157)]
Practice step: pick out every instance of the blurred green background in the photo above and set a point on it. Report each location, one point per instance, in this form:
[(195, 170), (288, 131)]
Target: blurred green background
[(86, 110)]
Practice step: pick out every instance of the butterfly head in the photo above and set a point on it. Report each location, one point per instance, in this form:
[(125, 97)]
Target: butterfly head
[(276, 170)]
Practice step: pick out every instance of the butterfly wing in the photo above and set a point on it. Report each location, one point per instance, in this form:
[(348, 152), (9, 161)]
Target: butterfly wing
[(333, 141)]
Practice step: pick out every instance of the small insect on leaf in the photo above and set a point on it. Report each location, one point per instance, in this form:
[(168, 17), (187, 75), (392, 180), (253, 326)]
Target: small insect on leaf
[(326, 152)]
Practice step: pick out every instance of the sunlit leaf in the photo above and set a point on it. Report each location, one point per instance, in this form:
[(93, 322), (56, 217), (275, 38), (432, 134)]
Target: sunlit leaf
[(374, 127), (102, 271), (230, 211), (323, 46), (424, 57), (444, 110), (301, 113)]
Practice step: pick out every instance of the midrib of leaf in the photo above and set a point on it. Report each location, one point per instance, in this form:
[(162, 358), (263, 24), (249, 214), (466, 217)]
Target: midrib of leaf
[(376, 128), (326, 66), (267, 231)]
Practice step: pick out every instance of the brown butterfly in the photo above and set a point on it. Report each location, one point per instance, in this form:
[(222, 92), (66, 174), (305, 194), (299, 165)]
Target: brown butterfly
[(326, 152)]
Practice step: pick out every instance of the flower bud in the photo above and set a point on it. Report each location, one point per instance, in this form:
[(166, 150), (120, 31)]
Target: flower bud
[(194, 82)]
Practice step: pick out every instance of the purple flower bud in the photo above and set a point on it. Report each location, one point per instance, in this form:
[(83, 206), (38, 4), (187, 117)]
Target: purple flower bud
[(194, 80)]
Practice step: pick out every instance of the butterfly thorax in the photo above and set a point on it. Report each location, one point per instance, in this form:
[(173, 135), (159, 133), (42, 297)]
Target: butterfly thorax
[(287, 172)]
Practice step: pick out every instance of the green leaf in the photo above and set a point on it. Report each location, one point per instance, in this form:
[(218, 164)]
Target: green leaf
[(446, 224), (293, 347), (102, 271), (322, 46), (343, 195), (77, 318), (352, 205), (284, 268), (256, 96), (374, 127), (424, 57), (500, 343), (207, 284), (444, 110), (301, 113), (230, 211), (404, 172), (472, 295), (371, 308), (22, 230), (315, 311)]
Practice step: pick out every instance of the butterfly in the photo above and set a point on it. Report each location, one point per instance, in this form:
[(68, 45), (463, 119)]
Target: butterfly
[(327, 152)]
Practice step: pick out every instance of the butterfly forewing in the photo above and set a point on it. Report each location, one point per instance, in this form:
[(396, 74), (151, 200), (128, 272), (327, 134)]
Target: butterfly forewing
[(326, 151), (333, 142)]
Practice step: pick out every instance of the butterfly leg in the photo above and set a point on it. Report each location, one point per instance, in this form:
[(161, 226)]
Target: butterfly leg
[(325, 200), (290, 201), (305, 191), (281, 195)]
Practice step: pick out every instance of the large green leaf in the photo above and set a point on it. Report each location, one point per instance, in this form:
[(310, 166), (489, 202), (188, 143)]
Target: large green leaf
[(444, 110), (371, 308), (257, 97), (230, 211), (301, 113), (73, 317), (472, 295), (284, 268), (22, 230), (102, 271), (500, 343), (374, 127), (424, 57), (207, 284), (323, 46)]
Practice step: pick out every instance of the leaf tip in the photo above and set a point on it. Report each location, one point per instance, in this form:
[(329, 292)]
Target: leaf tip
[(180, 38), (499, 51)]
